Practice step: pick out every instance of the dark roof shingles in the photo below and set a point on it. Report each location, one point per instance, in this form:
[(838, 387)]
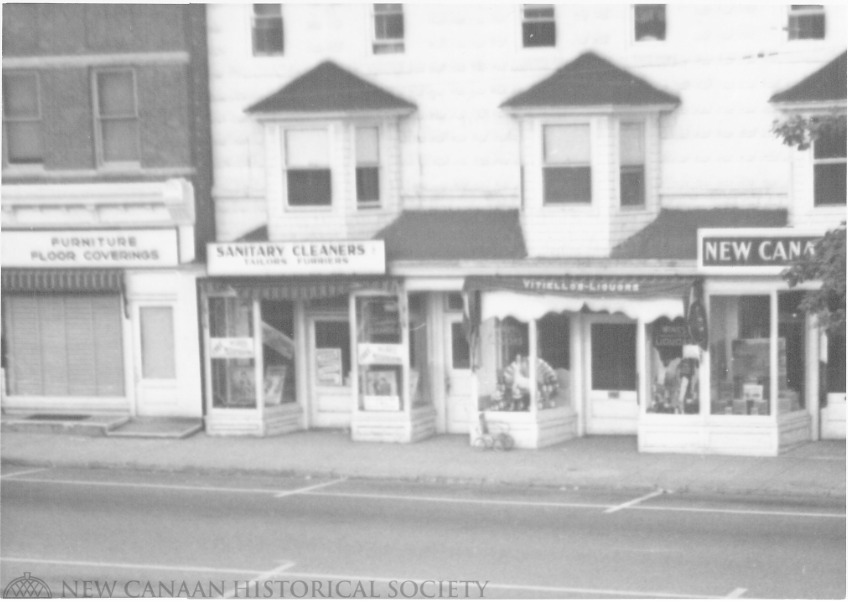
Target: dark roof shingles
[(590, 80), (674, 233), (828, 83), (328, 88)]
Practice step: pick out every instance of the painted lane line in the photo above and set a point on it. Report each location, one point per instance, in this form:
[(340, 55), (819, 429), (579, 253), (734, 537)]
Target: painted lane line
[(265, 576), (736, 593), (127, 566), (656, 493), (300, 491), (24, 473), (804, 514), (153, 486)]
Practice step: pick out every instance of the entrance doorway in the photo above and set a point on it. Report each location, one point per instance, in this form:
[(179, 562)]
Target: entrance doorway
[(612, 405), (331, 401), (458, 376)]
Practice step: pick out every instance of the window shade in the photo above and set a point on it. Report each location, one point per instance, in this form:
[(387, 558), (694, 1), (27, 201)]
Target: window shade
[(307, 148), (567, 144), (367, 145), (632, 144)]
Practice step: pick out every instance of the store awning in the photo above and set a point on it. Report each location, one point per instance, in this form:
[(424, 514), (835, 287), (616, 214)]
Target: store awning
[(62, 280), (298, 289), (529, 298)]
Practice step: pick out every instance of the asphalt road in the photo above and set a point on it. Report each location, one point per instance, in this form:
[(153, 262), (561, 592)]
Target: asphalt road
[(91, 532)]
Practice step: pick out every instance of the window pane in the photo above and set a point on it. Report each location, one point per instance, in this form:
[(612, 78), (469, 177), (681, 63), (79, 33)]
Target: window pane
[(553, 353), (567, 184), (157, 343), (279, 357), (367, 184), (649, 22), (632, 186), (567, 144), (830, 184), (835, 363), (632, 144), (807, 25), (504, 375), (307, 148), (24, 142), (460, 352), (613, 356), (739, 355), (539, 33), (388, 27), (333, 336), (791, 372), (268, 36), (120, 140), (309, 187), (267, 10), (538, 11), (367, 145), (20, 95), (830, 144), (419, 351), (115, 94)]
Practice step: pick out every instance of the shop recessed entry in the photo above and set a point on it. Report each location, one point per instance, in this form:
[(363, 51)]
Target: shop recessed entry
[(330, 368), (612, 406)]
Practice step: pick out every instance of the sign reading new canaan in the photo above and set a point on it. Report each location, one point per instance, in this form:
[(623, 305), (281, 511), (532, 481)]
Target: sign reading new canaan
[(297, 258), (90, 248), (766, 250)]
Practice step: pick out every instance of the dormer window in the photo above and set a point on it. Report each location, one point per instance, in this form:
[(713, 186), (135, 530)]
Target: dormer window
[(806, 22), (308, 168), (567, 171), (538, 27)]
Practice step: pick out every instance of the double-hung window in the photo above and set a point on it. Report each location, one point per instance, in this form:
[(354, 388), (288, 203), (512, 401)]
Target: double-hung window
[(367, 167), (267, 29), (388, 29), (806, 22), (649, 22), (829, 167), (538, 25), (308, 168), (567, 168), (632, 164), (116, 112), (22, 118)]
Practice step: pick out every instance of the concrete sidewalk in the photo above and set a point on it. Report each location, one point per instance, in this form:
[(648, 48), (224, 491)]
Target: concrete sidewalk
[(592, 462)]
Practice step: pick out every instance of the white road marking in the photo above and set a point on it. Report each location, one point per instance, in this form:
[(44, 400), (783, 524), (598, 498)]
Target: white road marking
[(427, 499), (265, 576), (656, 493), (736, 593), (35, 471), (299, 491), (128, 566)]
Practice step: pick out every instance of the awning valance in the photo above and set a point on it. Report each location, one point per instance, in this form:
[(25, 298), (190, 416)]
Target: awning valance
[(298, 288), (62, 280), (529, 298)]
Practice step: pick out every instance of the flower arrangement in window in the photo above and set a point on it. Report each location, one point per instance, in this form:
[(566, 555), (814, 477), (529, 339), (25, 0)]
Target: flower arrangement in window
[(514, 385)]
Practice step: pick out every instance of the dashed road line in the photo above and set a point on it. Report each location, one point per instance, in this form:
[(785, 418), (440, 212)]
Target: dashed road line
[(736, 593), (24, 473), (299, 491), (127, 566), (656, 493)]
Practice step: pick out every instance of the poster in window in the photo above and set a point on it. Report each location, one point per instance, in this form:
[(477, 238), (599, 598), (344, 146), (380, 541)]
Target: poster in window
[(242, 386), (381, 390), (328, 366)]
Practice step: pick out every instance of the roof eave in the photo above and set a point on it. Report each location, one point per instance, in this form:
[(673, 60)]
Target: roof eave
[(591, 109), (325, 115), (810, 105)]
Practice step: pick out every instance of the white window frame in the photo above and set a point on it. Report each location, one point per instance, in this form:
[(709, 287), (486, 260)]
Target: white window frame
[(800, 12), (284, 167), (98, 129), (253, 19), (644, 125), (633, 21), (582, 205), (38, 118), (385, 44), (526, 20), (372, 204)]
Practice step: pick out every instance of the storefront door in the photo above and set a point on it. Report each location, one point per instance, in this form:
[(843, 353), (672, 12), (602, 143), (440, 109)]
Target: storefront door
[(458, 376), (331, 401), (156, 367), (612, 404)]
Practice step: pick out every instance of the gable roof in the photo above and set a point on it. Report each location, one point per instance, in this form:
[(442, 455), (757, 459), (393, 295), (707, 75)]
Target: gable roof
[(590, 80), (828, 83), (329, 88), (674, 233), (454, 235)]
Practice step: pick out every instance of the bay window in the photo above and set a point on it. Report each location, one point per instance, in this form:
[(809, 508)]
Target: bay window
[(632, 164), (367, 167), (308, 178), (567, 169)]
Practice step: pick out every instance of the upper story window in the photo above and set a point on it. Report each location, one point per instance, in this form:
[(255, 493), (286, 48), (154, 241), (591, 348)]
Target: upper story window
[(829, 168), (267, 29), (22, 118), (388, 28), (649, 22), (632, 164), (567, 169), (308, 168), (116, 112), (538, 26), (806, 22), (367, 167)]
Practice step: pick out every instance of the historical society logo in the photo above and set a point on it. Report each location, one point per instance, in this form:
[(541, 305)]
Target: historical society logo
[(27, 587)]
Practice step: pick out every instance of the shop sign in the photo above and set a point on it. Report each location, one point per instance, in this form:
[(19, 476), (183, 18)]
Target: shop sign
[(671, 333), (297, 258), (380, 354), (90, 248), (754, 250), (584, 286), (231, 348), (328, 366)]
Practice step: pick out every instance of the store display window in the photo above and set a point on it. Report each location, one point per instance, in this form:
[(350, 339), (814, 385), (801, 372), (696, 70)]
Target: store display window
[(279, 352), (232, 353), (740, 338), (553, 361), (674, 368), (380, 353), (419, 373), (791, 352)]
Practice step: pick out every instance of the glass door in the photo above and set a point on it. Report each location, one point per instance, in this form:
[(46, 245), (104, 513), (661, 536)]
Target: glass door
[(330, 369), (612, 404)]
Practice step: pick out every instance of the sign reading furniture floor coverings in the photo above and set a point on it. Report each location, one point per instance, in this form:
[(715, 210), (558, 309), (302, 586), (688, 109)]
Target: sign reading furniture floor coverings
[(297, 258)]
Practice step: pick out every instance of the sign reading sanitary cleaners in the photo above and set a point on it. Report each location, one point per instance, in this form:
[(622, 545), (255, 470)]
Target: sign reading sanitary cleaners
[(90, 248), (297, 258), (753, 250)]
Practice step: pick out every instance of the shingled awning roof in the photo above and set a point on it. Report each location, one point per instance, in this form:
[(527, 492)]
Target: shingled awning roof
[(454, 235), (590, 80), (674, 233), (828, 83), (329, 88)]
